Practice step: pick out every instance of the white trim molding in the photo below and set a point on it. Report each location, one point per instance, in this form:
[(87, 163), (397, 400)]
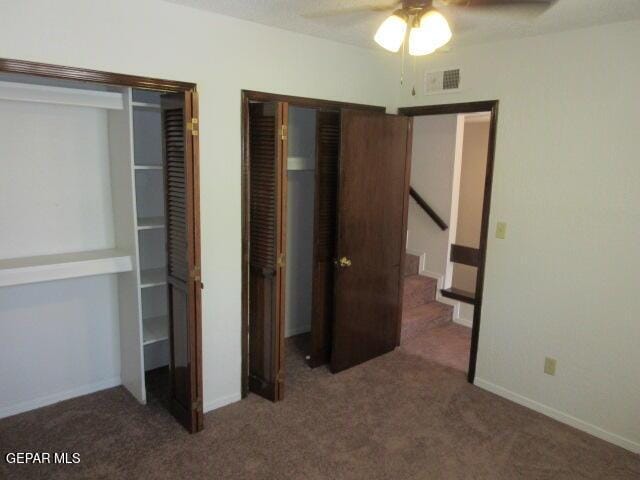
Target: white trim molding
[(439, 280), (422, 256), (455, 199), (465, 322), (34, 403), (221, 402), (560, 416)]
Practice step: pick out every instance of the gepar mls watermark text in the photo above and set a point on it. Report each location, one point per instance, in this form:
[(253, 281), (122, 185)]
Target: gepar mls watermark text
[(65, 458)]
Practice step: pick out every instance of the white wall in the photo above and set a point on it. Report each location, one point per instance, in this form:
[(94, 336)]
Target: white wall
[(43, 146), (222, 56), (300, 201), (57, 340), (564, 282), (432, 161)]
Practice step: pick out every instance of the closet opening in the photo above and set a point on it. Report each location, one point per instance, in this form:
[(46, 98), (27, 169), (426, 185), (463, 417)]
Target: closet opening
[(292, 182), (100, 273), (301, 186), (322, 254)]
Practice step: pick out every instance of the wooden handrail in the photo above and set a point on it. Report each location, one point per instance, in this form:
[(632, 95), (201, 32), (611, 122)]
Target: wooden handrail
[(465, 255), (429, 211)]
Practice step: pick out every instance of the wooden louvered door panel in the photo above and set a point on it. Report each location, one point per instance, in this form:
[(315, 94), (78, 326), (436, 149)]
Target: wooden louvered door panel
[(326, 184), (267, 214), (180, 150)]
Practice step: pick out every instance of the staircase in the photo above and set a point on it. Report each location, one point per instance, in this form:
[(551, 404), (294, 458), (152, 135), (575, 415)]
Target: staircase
[(420, 310)]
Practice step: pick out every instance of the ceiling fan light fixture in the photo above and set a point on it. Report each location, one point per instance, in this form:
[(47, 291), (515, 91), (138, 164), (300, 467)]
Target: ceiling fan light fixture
[(436, 27), (420, 42), (391, 33)]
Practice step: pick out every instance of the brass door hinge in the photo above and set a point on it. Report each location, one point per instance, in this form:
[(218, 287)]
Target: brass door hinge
[(192, 126), (281, 260), (197, 405), (195, 274), (283, 132)]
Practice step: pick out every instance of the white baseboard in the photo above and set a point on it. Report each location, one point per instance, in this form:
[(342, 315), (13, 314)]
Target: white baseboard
[(221, 402), (32, 404), (292, 330), (560, 416), (439, 278), (465, 322), (422, 259)]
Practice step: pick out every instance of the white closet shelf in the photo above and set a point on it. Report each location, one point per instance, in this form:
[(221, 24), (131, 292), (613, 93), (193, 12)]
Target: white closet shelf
[(45, 268), (155, 329), (148, 223), (300, 163), (61, 96), (154, 106), (153, 277), (148, 167)]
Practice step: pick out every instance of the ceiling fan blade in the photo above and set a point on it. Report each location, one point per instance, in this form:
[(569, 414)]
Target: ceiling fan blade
[(354, 9), (523, 10), (495, 3)]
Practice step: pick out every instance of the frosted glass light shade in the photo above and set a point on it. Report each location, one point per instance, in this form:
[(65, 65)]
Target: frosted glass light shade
[(390, 34), (420, 42), (437, 27)]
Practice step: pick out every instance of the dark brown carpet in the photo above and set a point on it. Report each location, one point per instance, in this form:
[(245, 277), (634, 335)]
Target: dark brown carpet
[(417, 321), (397, 417), (447, 344)]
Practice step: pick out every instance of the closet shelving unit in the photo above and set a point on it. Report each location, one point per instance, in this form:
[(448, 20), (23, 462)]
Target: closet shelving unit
[(149, 181), (61, 266), (46, 268), (138, 253)]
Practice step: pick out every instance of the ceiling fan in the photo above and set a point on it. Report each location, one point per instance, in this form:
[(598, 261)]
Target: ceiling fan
[(428, 28)]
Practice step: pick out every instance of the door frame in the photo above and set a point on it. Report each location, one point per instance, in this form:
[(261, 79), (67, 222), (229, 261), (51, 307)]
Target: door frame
[(248, 96), (62, 72), (459, 108)]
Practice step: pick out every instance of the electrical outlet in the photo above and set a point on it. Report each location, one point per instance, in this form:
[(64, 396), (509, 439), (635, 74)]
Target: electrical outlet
[(550, 366), (501, 230)]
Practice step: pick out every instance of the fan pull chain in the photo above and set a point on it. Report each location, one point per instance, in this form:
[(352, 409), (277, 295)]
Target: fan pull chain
[(402, 68), (413, 90)]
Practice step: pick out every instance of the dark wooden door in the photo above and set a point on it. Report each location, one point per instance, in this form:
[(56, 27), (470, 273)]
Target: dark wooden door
[(180, 151), (267, 242), (326, 188), (372, 198)]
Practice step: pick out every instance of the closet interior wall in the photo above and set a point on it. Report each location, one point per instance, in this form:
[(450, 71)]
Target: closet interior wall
[(300, 220), (83, 303)]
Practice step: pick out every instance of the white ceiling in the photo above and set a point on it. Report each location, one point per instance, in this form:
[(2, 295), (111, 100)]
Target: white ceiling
[(470, 26)]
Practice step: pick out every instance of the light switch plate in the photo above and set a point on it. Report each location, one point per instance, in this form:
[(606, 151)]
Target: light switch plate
[(550, 366), (501, 230)]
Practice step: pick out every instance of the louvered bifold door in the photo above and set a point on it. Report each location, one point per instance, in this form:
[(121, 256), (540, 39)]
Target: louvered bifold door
[(180, 150), (326, 183), (267, 204)]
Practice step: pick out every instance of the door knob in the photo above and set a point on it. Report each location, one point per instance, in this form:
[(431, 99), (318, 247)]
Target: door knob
[(343, 262)]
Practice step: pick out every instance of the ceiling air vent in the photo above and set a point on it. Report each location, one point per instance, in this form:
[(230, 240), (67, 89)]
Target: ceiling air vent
[(442, 82)]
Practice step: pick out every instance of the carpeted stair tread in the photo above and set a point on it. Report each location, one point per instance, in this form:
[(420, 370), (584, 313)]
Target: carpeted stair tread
[(418, 290), (411, 264), (417, 320)]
